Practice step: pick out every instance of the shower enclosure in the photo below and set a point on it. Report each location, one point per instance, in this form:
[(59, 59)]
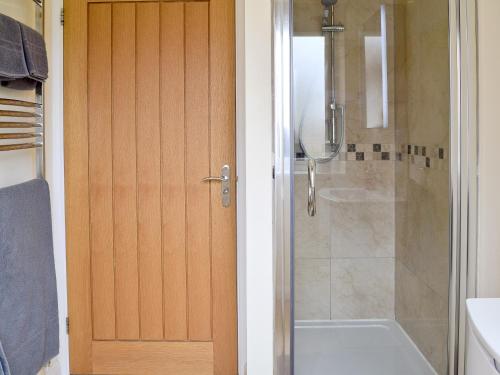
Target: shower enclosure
[(374, 239)]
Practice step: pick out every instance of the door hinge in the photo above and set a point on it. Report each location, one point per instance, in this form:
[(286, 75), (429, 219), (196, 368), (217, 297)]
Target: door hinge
[(67, 325), (61, 16)]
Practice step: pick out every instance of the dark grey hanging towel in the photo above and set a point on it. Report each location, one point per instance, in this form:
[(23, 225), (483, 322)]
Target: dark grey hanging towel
[(12, 61), (29, 328), (34, 54)]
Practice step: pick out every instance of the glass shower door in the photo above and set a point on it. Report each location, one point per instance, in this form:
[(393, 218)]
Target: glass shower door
[(372, 127)]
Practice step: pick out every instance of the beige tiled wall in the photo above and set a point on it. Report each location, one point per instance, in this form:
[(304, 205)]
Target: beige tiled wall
[(345, 255), (422, 208)]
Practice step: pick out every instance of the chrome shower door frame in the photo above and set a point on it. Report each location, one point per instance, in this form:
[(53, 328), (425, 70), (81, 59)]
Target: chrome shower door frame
[(463, 180), (463, 174), (283, 189)]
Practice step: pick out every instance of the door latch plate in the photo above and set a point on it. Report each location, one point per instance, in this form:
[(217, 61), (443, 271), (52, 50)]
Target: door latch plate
[(225, 186)]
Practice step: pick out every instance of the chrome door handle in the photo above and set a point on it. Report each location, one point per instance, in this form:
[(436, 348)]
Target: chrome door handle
[(225, 186), (212, 178), (311, 191)]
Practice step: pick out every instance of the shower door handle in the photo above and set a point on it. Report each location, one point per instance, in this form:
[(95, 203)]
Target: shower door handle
[(311, 196), (225, 184)]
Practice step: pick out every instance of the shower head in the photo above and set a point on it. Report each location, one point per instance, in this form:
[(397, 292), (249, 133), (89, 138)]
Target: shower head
[(328, 3)]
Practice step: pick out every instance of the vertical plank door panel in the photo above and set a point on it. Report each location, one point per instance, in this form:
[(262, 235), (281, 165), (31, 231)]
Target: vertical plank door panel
[(198, 167), (149, 171), (173, 170), (76, 182), (223, 146), (125, 172), (151, 249), (101, 172)]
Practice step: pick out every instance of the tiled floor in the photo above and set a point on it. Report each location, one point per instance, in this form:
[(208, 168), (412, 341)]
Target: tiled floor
[(356, 347)]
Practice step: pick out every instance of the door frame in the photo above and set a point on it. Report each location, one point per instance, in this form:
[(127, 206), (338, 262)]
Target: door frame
[(76, 189), (464, 164), (463, 180), (283, 189)]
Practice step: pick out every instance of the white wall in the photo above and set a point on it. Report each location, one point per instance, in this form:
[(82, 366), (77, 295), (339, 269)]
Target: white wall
[(55, 169), (241, 192), (489, 148), (256, 187)]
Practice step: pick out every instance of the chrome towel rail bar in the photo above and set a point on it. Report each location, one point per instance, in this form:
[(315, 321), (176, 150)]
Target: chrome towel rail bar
[(19, 103), (20, 146), (19, 125), (19, 135), (36, 125), (5, 113)]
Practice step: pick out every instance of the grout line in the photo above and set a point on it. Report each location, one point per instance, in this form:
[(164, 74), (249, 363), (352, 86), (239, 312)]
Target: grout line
[(113, 175), (137, 195), (210, 212), (330, 288), (160, 123), (89, 181), (186, 195)]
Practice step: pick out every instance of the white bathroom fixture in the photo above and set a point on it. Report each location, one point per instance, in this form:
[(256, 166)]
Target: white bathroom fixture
[(483, 347)]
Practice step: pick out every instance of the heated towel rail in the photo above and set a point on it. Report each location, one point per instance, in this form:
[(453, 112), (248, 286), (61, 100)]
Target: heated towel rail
[(22, 122), (22, 127), (32, 119)]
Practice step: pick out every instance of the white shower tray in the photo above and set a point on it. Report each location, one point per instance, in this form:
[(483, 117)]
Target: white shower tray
[(356, 347)]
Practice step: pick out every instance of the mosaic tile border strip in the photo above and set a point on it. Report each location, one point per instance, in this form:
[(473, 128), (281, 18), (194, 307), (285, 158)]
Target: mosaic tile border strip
[(360, 156), (435, 152), (363, 152), (426, 157), (423, 156)]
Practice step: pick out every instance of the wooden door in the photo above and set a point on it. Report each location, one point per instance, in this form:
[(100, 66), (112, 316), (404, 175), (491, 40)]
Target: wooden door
[(149, 112)]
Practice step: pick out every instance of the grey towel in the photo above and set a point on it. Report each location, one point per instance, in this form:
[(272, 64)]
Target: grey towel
[(29, 328), (35, 53), (21, 84), (24, 44), (12, 60), (4, 366)]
